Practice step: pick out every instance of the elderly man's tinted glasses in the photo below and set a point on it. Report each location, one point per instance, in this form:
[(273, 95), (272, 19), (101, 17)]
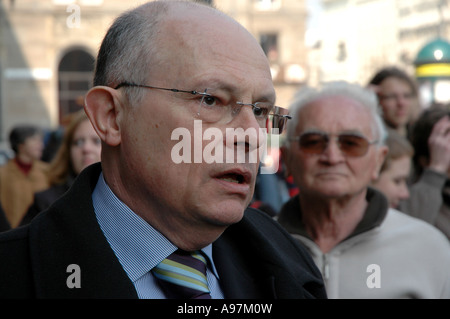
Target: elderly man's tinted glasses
[(216, 107), (350, 144)]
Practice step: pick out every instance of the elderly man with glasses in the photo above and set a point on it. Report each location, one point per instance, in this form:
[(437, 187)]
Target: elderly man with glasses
[(334, 148), (140, 225)]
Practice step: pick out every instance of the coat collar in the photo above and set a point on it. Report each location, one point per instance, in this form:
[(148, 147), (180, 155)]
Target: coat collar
[(250, 264), (291, 215), (257, 258), (68, 234)]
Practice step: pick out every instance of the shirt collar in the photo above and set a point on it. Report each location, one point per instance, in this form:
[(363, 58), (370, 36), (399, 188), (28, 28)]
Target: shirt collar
[(138, 246)]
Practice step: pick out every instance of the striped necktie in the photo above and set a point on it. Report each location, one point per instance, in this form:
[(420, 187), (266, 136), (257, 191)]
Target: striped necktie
[(182, 275)]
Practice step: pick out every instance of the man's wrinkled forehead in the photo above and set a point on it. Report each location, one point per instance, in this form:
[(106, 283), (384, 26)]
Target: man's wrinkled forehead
[(337, 107), (194, 41), (203, 29), (186, 17)]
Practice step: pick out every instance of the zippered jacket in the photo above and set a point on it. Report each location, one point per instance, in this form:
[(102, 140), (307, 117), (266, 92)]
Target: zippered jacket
[(388, 255), (430, 200)]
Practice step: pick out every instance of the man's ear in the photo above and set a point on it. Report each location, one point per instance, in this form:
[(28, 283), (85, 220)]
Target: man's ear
[(102, 106)]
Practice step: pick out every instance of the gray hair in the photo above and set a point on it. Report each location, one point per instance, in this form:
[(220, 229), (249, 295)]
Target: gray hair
[(355, 92), (130, 47), (122, 55)]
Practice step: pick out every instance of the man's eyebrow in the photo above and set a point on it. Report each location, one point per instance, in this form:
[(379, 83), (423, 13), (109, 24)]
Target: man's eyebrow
[(233, 89), (356, 132), (217, 84)]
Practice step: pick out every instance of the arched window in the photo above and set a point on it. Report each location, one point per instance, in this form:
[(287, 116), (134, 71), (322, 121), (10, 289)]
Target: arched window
[(75, 72)]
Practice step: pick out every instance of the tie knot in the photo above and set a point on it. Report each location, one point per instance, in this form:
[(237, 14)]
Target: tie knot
[(188, 257), (182, 275)]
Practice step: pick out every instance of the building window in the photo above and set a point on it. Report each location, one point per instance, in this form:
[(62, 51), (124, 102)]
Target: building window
[(342, 52), (269, 43), (78, 2), (75, 74)]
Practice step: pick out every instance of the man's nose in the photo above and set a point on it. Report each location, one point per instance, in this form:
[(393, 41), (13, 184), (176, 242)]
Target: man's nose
[(245, 121), (332, 152), (245, 136)]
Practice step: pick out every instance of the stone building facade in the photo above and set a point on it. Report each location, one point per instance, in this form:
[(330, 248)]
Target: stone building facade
[(358, 37), (48, 47)]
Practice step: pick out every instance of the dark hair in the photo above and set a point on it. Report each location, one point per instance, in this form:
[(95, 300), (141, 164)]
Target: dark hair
[(130, 46), (20, 133), (421, 131), (124, 50), (394, 72)]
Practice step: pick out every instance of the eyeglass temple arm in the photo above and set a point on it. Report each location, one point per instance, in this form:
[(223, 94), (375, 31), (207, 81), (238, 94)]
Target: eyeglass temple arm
[(158, 88), (284, 116)]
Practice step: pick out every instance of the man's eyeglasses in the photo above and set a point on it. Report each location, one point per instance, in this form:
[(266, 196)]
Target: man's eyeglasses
[(351, 145), (214, 108), (397, 97)]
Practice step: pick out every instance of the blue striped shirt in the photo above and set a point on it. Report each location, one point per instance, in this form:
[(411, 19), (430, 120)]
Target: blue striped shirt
[(138, 246)]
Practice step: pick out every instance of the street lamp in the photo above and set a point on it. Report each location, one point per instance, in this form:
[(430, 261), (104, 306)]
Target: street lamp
[(433, 72)]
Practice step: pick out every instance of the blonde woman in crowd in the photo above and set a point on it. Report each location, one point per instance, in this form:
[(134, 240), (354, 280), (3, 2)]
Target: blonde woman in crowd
[(80, 147)]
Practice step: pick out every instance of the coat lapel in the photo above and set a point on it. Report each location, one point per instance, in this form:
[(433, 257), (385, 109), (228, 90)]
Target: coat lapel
[(250, 265), (71, 236), (238, 279)]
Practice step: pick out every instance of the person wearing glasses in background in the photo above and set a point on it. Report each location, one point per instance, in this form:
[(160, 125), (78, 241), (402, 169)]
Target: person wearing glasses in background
[(334, 148), (129, 224), (398, 98)]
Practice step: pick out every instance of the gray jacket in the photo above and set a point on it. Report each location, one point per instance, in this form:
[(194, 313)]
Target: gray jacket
[(389, 254), (430, 200)]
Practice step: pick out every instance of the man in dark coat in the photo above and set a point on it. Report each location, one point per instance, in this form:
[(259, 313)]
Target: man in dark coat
[(165, 70)]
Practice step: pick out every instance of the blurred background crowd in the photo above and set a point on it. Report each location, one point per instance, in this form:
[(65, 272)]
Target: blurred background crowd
[(397, 49)]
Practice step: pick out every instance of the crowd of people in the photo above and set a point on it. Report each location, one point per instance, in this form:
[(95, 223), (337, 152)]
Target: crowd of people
[(335, 148), (362, 192), (30, 184)]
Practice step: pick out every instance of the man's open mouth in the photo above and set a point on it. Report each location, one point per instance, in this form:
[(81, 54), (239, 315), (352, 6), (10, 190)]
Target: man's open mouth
[(233, 178)]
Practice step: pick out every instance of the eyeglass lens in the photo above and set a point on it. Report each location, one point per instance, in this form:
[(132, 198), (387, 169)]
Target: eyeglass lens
[(350, 145), (211, 109), (273, 118), (278, 120)]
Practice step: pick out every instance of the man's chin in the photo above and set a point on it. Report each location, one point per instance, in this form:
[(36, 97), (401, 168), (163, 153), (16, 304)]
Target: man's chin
[(227, 214)]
